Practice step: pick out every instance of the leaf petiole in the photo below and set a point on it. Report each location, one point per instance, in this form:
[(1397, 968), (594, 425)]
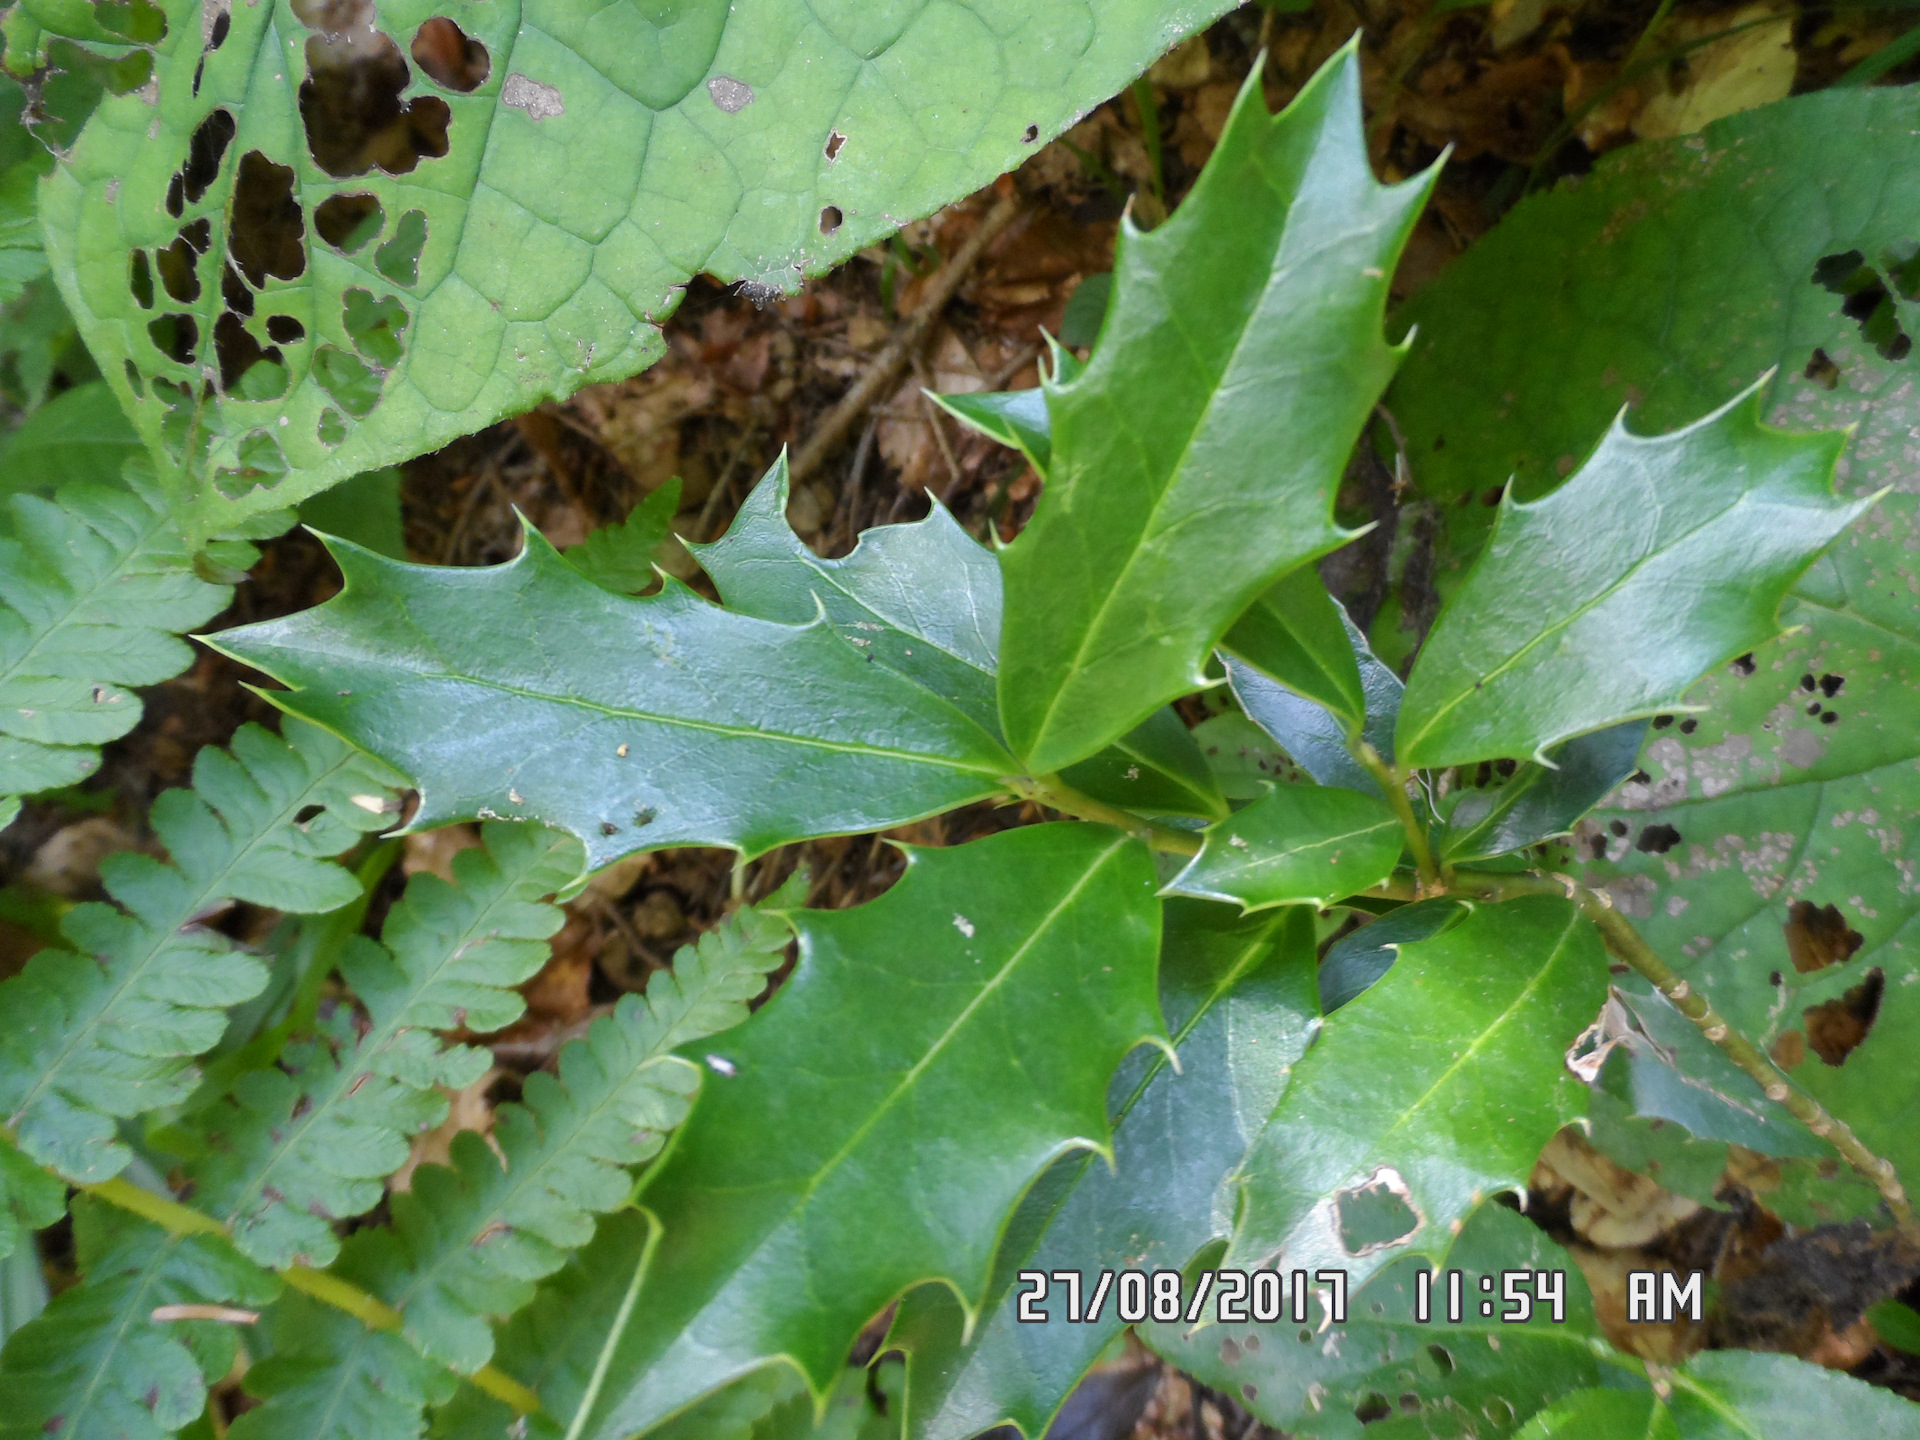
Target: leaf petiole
[(1393, 783), (1056, 794)]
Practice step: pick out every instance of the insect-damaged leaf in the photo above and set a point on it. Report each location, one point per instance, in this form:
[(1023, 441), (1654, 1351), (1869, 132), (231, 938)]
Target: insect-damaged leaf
[(524, 691), (1238, 993), (1299, 845), (1462, 1046), (347, 214), (786, 1226), (1603, 601), (1283, 247)]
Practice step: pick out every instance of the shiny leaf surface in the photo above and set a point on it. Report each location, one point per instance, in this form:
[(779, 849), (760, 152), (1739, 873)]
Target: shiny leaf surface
[(1299, 845)]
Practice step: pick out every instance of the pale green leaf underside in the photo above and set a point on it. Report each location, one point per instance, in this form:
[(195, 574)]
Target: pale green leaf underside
[(756, 141)]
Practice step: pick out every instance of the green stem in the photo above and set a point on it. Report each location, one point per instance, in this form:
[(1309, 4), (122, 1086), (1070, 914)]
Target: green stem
[(1889, 56), (1393, 781), (1056, 794)]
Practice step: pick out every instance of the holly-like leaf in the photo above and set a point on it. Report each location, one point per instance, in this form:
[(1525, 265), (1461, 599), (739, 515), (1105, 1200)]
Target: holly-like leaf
[(1495, 814), (1661, 558), (1299, 845), (1430, 1373), (1248, 324), (1463, 1044), (620, 557), (525, 691), (1355, 961), (1297, 633), (1018, 419), (1156, 767), (1031, 951), (1238, 994), (370, 257)]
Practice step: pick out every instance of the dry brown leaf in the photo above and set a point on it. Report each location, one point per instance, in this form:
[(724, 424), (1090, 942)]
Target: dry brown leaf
[(1754, 66)]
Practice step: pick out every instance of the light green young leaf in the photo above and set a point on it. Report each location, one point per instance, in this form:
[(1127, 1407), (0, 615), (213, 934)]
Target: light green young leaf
[(758, 141), (1603, 1415), (1284, 247), (93, 590), (1463, 1046), (1296, 633), (525, 691), (1299, 845), (1432, 1372), (621, 557), (1660, 559), (1746, 1395), (1495, 814), (1238, 994), (784, 1225), (79, 437), (93, 1037)]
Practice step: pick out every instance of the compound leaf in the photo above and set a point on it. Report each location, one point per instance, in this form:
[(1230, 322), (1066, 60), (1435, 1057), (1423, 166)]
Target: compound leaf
[(1298, 845), (89, 1038), (1462, 1045), (1238, 995), (1248, 324), (1660, 559), (785, 1225), (329, 1377), (30, 1199), (525, 691), (250, 252)]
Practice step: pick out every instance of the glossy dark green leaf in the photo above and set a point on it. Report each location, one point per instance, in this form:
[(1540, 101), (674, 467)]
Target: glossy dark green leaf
[(1016, 418), (525, 691), (1462, 1048), (1298, 845), (1157, 767), (364, 509), (621, 557), (1031, 952), (1296, 633), (1539, 800), (1248, 324), (1238, 994), (1355, 961), (1659, 559), (1478, 1375)]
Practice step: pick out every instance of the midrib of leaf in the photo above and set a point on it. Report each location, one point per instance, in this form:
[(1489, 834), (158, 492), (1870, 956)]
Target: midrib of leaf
[(123, 1322), (1309, 847), (1441, 712), (1713, 1402), (119, 571), (832, 577), (210, 891)]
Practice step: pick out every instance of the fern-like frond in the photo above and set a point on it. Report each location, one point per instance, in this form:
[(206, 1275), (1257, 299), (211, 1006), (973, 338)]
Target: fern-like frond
[(95, 589), (98, 1363), (30, 1199), (312, 1140), (331, 1378), (108, 1031)]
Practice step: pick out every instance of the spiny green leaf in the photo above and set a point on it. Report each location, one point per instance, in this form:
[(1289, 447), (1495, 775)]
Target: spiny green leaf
[(1660, 559), (300, 1146), (1478, 1375), (1018, 419), (1494, 814), (783, 1236), (329, 1377), (1463, 1046), (85, 1042), (1300, 845), (620, 557), (98, 1364), (93, 590), (757, 141), (525, 691), (1355, 961), (1238, 994), (1248, 324), (1296, 633)]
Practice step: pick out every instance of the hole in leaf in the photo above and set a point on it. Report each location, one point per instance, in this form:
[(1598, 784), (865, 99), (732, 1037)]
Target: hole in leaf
[(1818, 936), (140, 21), (399, 258), (1821, 369), (217, 32), (346, 378), (453, 59), (1499, 1412), (834, 141), (332, 428), (1788, 1049), (1373, 1406), (204, 153), (199, 235), (1827, 717), (140, 279), (1033, 134), (375, 326), (135, 379), (177, 273), (351, 107), (175, 336), (177, 194), (1836, 1028), (240, 354), (1865, 301), (234, 291), (307, 814), (1808, 683), (1689, 725), (1832, 685), (1442, 1358), (130, 72), (1376, 1215), (348, 222), (1410, 1403), (1743, 665), (285, 330), (830, 218), (1619, 829), (1657, 840), (267, 234), (1661, 722)]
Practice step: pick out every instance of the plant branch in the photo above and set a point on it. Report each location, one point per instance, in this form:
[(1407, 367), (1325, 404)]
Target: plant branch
[(1393, 781), (1056, 794), (1627, 944)]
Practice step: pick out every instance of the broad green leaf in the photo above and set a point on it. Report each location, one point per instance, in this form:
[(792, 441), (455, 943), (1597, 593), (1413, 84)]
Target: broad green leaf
[(1463, 1048), (1248, 324), (620, 557), (786, 1228), (1744, 1395), (1479, 1375), (525, 691), (1603, 1415), (1647, 1144), (1897, 1325), (106, 1031), (1299, 845), (79, 437), (1495, 814), (98, 1363), (531, 209), (1660, 559), (93, 590), (1355, 961), (364, 509), (1296, 633), (1238, 995), (1156, 767)]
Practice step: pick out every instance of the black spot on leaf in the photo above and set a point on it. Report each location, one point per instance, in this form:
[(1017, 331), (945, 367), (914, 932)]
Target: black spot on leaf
[(1619, 829), (348, 222), (1743, 666), (1033, 134), (1827, 717), (1836, 1029), (307, 814), (1807, 683), (453, 59), (1657, 840), (1818, 936), (1832, 685), (1661, 722), (1689, 725), (268, 230)]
